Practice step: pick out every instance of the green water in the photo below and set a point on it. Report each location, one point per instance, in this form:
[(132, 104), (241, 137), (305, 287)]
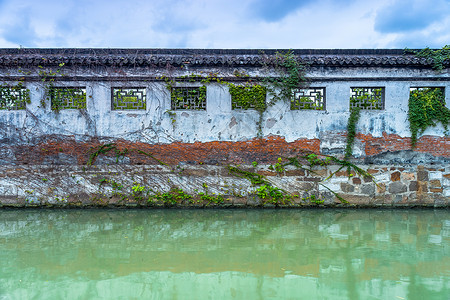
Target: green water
[(224, 254)]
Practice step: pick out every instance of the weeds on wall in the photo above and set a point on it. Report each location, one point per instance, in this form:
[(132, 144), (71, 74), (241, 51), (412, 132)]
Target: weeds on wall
[(426, 107), (263, 189)]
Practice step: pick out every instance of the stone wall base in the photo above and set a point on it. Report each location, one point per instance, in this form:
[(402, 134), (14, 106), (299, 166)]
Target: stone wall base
[(215, 186)]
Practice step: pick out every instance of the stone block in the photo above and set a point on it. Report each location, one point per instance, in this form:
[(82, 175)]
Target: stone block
[(357, 199), (435, 175), (408, 176), (446, 192), (422, 175), (435, 183), (397, 188), (313, 179), (320, 172), (298, 172), (413, 186), (341, 174), (267, 173), (395, 176), (347, 188), (304, 186), (368, 189), (422, 187), (331, 186), (381, 188), (356, 180), (368, 179), (382, 177)]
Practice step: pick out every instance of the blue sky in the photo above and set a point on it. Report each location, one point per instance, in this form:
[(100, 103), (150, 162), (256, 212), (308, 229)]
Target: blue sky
[(225, 23)]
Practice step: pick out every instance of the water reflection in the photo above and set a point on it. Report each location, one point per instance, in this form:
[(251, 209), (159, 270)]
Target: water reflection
[(224, 254)]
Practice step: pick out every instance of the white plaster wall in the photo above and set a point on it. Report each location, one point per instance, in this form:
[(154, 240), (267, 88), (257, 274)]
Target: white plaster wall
[(219, 122)]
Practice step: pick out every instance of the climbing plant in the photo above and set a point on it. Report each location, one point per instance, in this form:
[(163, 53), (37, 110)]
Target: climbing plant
[(438, 56), (290, 75), (426, 107)]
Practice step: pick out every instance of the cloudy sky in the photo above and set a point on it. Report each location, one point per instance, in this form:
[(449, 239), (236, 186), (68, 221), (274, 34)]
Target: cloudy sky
[(225, 23)]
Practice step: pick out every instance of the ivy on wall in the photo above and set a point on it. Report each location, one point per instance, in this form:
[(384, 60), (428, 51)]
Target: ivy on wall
[(426, 107), (248, 97), (353, 119), (290, 76)]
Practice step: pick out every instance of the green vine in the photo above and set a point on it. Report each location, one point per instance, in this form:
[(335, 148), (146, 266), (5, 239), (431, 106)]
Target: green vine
[(290, 76), (103, 149), (440, 57), (47, 78), (355, 113), (426, 106)]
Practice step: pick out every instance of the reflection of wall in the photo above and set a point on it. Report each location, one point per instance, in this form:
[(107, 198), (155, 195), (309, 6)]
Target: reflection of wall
[(379, 252)]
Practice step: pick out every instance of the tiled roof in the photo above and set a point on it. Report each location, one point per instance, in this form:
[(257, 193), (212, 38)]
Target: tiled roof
[(208, 57)]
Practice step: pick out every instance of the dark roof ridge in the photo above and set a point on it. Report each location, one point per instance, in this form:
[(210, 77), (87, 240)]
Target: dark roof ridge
[(208, 57)]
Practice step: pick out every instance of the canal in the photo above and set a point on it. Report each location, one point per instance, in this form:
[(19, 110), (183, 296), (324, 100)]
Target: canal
[(224, 254)]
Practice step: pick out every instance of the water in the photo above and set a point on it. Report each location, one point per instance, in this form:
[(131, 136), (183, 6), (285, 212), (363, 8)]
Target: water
[(224, 254)]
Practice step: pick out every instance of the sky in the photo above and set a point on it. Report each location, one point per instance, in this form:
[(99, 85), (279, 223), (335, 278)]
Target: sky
[(228, 24)]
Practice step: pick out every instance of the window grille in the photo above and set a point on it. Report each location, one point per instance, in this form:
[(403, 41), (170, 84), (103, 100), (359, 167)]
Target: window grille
[(192, 98), (368, 98), (68, 98), (129, 98), (14, 97), (309, 98)]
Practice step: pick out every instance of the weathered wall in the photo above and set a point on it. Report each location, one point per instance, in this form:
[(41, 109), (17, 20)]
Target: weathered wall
[(38, 143)]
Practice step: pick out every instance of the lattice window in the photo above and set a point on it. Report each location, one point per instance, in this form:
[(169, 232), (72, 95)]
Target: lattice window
[(68, 98), (248, 97), (129, 98), (14, 97), (369, 98), (193, 98), (440, 91), (309, 98)]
